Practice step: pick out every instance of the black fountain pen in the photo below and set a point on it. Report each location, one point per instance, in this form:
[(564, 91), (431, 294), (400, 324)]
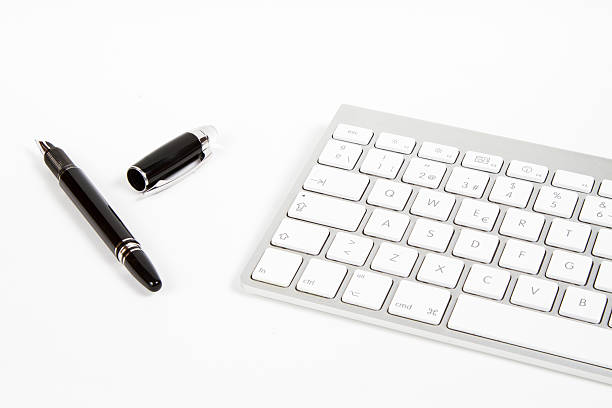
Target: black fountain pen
[(100, 216)]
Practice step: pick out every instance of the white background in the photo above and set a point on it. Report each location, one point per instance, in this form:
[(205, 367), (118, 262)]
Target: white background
[(111, 81)]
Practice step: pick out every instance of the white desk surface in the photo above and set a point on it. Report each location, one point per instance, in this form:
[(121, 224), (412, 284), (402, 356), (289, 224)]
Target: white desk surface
[(110, 82)]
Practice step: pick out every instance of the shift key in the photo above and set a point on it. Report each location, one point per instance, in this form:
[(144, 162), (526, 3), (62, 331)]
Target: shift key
[(328, 211)]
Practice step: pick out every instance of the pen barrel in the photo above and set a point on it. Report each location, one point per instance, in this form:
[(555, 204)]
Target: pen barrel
[(164, 161), (95, 209)]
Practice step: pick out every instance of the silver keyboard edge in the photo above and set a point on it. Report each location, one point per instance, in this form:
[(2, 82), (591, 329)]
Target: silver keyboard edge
[(464, 140)]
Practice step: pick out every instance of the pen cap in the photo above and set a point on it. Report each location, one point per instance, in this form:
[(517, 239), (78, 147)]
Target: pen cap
[(162, 165)]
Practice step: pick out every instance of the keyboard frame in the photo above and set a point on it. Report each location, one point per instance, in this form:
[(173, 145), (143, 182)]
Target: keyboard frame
[(464, 140)]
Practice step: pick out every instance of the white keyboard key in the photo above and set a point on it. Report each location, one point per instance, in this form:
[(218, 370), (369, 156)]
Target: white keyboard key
[(355, 134), (477, 214), (431, 235), (583, 304), (321, 278), (532, 329), (605, 189), (568, 235), (419, 302), (573, 181), (324, 210), (604, 277), (487, 281), (467, 182), (440, 270), (382, 163), (527, 171), (534, 293), (394, 259), (522, 224), (569, 267), (395, 143), (555, 201), (438, 152), (433, 204), (522, 256), (367, 289), (340, 154), (339, 183), (349, 248), (482, 161), (424, 173), (512, 192), (476, 246), (597, 211), (603, 244), (389, 194), (277, 267), (385, 224), (300, 236)]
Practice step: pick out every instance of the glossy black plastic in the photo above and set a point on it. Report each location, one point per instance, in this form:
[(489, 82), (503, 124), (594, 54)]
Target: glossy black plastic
[(165, 161), (106, 223)]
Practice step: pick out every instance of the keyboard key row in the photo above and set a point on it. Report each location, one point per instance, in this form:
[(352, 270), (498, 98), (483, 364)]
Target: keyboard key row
[(368, 289), (449, 154), (472, 245), (391, 225)]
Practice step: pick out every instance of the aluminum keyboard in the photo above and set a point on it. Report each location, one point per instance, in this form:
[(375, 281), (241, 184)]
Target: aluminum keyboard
[(477, 240)]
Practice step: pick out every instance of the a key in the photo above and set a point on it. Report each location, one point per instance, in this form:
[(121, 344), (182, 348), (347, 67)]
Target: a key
[(349, 248), (522, 224), (605, 189), (487, 281), (604, 277), (354, 134), (424, 173), (603, 244), (597, 211), (438, 152), (527, 171), (568, 235), (419, 302), (532, 329), (555, 201), (569, 267), (332, 212), (482, 161), (394, 259), (534, 293), (300, 236), (382, 163), (385, 224), (395, 143), (389, 194), (467, 182), (583, 304), (512, 192), (431, 235), (433, 204), (340, 154), (335, 182), (277, 267), (522, 256), (440, 270), (573, 181), (367, 289), (476, 246), (477, 214), (321, 278)]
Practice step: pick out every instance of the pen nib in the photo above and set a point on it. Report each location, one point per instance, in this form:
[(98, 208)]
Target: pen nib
[(44, 146)]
